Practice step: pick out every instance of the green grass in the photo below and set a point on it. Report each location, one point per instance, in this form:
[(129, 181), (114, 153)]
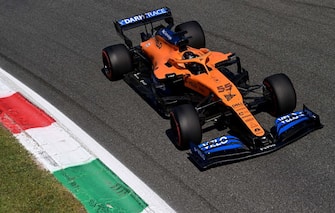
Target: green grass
[(25, 186)]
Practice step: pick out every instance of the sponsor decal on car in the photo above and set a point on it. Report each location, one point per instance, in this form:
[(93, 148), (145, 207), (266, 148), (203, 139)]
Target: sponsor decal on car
[(291, 117), (141, 17), (215, 142)]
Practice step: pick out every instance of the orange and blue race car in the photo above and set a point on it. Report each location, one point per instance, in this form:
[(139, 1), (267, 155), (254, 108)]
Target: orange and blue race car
[(193, 86)]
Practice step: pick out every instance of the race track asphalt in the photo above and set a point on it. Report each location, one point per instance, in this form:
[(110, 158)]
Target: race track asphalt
[(55, 48)]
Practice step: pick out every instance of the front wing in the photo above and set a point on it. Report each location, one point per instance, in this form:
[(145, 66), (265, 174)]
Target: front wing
[(225, 149)]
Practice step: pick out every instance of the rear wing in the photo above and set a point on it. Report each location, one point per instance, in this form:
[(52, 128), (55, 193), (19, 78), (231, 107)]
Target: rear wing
[(149, 17)]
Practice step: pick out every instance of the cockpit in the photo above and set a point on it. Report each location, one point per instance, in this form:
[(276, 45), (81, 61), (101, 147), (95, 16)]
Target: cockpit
[(194, 67)]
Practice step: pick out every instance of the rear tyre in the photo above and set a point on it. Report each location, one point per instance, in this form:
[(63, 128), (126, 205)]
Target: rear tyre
[(185, 125), (195, 32), (117, 61), (280, 93)]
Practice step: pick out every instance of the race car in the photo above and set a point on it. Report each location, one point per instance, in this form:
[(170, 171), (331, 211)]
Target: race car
[(194, 86)]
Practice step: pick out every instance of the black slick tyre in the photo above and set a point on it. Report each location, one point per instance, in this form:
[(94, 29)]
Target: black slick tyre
[(117, 61), (185, 125), (280, 93), (195, 32)]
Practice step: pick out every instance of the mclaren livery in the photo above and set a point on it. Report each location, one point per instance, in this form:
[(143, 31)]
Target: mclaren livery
[(194, 86)]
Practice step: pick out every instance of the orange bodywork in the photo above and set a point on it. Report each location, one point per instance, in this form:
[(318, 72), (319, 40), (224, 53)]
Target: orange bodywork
[(167, 59)]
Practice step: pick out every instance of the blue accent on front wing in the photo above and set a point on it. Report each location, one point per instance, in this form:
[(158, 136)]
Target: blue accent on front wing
[(224, 148), (286, 122), (220, 146), (226, 142), (230, 149)]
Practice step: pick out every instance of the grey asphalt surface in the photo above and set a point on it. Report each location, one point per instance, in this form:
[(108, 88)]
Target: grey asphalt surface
[(55, 48)]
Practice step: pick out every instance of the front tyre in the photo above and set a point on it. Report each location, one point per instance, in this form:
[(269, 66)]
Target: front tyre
[(117, 61), (280, 94), (185, 125), (195, 32)]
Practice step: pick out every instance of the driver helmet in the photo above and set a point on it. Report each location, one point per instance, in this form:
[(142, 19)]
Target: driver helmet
[(194, 67)]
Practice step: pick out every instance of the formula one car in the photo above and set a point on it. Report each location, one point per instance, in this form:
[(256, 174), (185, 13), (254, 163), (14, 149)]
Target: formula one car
[(194, 86)]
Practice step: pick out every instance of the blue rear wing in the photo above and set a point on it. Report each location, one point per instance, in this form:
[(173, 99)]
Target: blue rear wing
[(163, 13), (149, 17)]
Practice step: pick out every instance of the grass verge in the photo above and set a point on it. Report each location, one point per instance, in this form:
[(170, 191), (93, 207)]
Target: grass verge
[(26, 187)]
